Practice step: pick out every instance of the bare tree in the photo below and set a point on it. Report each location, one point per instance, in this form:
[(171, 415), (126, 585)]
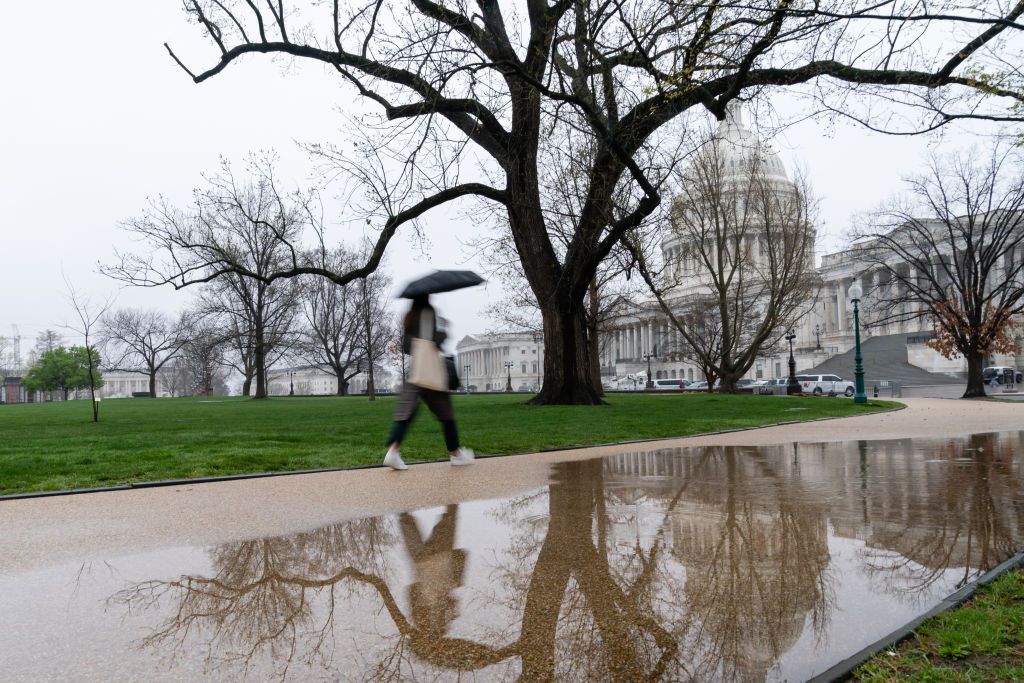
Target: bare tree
[(6, 357), (89, 314), (143, 341), (457, 82), (253, 223), (378, 325), (703, 344), (332, 338), (953, 252), (203, 354), (747, 241)]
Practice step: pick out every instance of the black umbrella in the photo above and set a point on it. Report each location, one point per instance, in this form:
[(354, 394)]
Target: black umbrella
[(440, 281)]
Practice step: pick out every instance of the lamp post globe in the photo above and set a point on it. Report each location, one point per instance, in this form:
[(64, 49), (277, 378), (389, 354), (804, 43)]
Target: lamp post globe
[(855, 293)]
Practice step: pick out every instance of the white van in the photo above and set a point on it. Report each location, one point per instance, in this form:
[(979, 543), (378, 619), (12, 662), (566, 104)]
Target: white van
[(668, 385)]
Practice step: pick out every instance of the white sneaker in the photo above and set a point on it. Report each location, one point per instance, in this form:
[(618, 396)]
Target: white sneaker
[(393, 459), (465, 457)]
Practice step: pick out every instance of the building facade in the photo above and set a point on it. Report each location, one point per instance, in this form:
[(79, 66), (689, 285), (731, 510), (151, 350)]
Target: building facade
[(312, 381), (490, 362)]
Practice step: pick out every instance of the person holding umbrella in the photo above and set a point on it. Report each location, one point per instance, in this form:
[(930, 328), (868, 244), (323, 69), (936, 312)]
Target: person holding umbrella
[(422, 336)]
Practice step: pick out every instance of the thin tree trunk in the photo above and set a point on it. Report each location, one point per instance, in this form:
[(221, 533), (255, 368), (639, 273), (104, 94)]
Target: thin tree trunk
[(92, 385), (975, 381)]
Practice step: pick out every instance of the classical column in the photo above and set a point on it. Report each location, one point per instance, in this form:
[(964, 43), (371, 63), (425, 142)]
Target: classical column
[(841, 305)]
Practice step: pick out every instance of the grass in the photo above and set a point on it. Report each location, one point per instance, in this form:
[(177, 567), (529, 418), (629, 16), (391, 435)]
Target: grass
[(982, 640), (54, 446)]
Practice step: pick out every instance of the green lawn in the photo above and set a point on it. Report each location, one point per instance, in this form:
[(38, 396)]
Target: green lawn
[(55, 446), (981, 641)]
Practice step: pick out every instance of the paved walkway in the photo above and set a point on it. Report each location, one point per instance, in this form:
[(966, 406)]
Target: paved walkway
[(46, 531)]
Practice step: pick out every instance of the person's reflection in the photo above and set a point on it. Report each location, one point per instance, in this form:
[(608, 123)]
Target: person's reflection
[(438, 568)]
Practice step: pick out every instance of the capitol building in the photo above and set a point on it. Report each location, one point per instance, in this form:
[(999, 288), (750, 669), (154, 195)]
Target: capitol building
[(639, 335)]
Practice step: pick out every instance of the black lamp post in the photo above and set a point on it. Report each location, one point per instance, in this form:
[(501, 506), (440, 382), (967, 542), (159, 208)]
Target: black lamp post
[(465, 369), (508, 368), (792, 387), (858, 369), (817, 337), (291, 382), (650, 382), (540, 350)]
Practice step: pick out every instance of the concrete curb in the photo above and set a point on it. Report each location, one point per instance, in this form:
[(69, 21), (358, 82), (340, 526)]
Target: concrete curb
[(288, 473), (843, 671)]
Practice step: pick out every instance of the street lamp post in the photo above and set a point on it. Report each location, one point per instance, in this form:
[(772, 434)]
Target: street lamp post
[(792, 387), (858, 369), (291, 382), (465, 369), (540, 350), (508, 368), (817, 337), (650, 382)]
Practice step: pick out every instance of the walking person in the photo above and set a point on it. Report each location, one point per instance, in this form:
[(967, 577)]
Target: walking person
[(422, 337)]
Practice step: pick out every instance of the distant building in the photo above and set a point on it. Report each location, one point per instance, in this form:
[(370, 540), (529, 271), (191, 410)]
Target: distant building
[(14, 391), (312, 381), (487, 354)]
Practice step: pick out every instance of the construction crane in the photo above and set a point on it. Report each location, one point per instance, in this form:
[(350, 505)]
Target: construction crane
[(17, 348)]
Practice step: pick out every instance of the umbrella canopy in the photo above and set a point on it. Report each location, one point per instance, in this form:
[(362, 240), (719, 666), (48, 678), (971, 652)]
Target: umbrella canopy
[(440, 281)]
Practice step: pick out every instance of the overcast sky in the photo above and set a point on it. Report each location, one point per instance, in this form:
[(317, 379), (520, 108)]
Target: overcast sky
[(97, 118)]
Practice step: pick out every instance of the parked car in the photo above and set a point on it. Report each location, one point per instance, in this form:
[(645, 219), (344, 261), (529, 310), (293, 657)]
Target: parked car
[(769, 386), (697, 386), (668, 385), (1001, 372), (825, 384)]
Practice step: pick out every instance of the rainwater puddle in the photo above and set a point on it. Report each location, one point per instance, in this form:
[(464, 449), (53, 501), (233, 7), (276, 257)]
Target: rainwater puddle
[(700, 564)]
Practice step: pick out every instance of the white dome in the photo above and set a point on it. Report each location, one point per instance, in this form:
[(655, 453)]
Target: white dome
[(736, 144)]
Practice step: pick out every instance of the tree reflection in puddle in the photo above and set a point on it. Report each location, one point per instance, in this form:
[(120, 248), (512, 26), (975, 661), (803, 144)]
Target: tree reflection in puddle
[(667, 564)]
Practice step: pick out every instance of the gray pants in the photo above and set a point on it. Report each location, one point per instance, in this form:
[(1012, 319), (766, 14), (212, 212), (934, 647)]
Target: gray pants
[(439, 403)]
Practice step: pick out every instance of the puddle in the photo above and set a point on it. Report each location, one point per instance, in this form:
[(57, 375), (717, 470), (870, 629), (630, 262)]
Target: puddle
[(700, 564)]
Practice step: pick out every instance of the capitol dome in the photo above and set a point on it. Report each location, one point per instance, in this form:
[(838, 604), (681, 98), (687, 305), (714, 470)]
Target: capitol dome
[(735, 146)]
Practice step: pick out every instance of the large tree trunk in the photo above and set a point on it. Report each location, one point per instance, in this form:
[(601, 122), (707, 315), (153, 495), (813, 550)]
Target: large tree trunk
[(975, 382), (260, 352), (729, 380), (246, 385), (341, 383), (568, 365), (152, 383)]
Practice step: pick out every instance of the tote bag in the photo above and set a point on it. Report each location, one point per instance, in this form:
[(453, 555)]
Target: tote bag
[(428, 370)]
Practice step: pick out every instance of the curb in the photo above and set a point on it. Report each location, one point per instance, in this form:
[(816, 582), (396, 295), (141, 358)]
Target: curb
[(263, 475), (843, 671)]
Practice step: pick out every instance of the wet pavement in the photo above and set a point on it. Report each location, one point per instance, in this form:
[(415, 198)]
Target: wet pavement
[(705, 562)]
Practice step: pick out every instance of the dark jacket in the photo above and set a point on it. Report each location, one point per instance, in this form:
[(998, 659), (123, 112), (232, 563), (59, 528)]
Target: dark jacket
[(411, 327)]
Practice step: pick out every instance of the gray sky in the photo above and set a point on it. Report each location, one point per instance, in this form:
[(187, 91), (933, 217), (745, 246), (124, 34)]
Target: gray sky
[(97, 117)]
